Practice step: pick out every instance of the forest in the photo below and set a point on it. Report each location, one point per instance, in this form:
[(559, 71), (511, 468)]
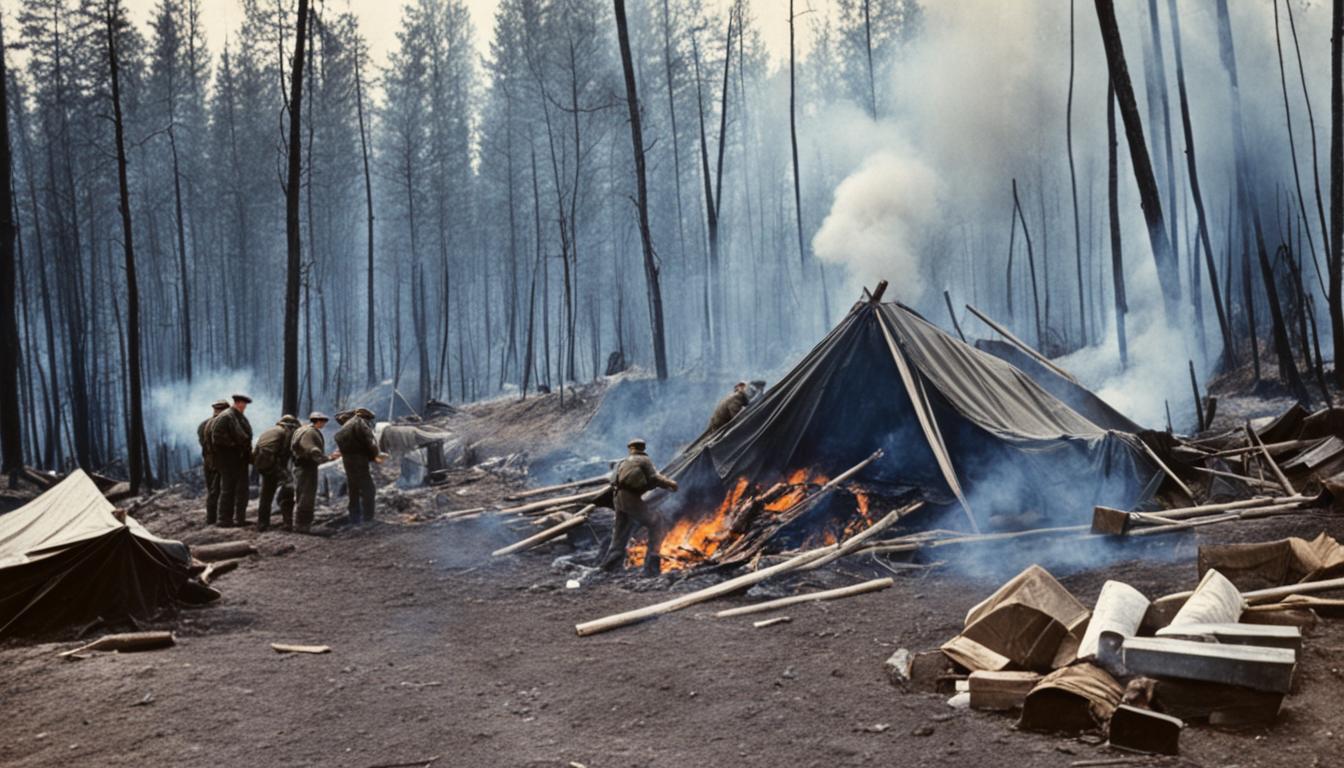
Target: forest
[(1148, 190)]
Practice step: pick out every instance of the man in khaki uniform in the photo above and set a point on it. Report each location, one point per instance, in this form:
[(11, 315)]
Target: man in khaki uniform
[(308, 447), (729, 407), (359, 448), (630, 480), (208, 464), (271, 458), (231, 445)]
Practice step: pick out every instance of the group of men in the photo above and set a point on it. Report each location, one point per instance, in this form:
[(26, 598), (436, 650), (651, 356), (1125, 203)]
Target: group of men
[(286, 457)]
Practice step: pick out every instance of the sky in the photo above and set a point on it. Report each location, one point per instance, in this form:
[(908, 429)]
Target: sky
[(379, 20)]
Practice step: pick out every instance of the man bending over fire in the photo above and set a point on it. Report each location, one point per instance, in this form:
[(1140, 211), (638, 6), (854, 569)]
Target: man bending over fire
[(630, 480)]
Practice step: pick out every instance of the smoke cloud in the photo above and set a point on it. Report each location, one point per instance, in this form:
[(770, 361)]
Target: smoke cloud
[(176, 409)]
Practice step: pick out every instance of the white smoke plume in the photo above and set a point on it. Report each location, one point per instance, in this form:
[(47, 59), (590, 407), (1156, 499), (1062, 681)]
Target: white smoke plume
[(177, 408)]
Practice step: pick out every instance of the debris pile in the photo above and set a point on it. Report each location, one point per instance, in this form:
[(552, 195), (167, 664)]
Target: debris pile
[(1134, 670)]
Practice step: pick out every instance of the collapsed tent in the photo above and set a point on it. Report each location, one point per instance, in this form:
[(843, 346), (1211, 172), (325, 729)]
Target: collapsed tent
[(957, 427), (384, 399), (65, 559)]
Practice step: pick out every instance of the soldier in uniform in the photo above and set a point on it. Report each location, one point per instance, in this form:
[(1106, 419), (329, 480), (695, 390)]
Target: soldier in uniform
[(359, 447), (271, 458), (309, 449), (208, 464), (231, 446), (729, 407), (630, 480)]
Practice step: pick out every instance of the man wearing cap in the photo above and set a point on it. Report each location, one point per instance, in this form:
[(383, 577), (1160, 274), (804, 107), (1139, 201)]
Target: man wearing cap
[(309, 450), (630, 480), (231, 444), (208, 464), (729, 407), (271, 458), (359, 447)]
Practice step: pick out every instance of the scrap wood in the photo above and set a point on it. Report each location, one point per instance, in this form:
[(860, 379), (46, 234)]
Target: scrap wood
[(916, 542), (124, 642), (559, 487), (763, 623), (829, 594), (215, 570), (409, 763), (1235, 476), (1241, 514), (1280, 446), (1167, 470), (708, 593), (854, 541), (1278, 473), (223, 551), (543, 536), (585, 497), (288, 648), (1026, 348)]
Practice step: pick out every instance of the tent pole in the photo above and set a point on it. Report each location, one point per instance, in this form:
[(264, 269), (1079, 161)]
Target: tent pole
[(924, 413)]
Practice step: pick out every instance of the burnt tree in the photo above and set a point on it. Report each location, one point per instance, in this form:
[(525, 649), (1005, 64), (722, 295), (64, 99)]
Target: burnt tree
[(293, 187), (11, 425)]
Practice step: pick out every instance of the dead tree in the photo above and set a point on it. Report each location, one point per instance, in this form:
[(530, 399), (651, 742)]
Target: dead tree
[(11, 424), (293, 186), (793, 144), (1229, 349), (868, 50), (1163, 255), (1031, 268), (1073, 180), (642, 190), (135, 427), (1117, 256), (371, 376), (1336, 258), (1311, 126)]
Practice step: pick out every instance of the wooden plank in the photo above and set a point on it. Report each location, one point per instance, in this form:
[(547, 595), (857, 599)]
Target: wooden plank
[(811, 597), (1262, 669), (1263, 635), (1001, 690)]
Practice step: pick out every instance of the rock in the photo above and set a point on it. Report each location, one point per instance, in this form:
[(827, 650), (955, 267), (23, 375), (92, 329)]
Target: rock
[(923, 730), (897, 667)]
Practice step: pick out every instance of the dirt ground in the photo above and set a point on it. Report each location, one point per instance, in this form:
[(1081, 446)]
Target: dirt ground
[(440, 651)]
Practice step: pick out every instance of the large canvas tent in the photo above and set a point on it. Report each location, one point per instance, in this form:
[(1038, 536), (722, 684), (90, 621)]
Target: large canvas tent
[(958, 427), (66, 560)]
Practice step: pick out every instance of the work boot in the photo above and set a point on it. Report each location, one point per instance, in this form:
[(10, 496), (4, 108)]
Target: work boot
[(653, 566), (612, 562)]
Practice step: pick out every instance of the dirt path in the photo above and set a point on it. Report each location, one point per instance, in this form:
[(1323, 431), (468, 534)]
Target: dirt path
[(438, 652)]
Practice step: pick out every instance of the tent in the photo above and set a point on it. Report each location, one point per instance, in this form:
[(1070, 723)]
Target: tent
[(1066, 388), (958, 428), (65, 559), (385, 400)]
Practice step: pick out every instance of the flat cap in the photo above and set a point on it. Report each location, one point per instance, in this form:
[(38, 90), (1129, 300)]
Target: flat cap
[(220, 404), (288, 421), (364, 413), (318, 416), (636, 442), (241, 399)]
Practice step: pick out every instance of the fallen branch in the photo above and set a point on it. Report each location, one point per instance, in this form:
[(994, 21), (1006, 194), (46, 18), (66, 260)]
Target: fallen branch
[(462, 514), (223, 551), (125, 642), (708, 593), (543, 536), (829, 594), (215, 570)]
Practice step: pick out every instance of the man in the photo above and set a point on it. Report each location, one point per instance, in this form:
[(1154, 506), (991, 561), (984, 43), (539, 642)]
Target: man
[(208, 463), (231, 444), (358, 447), (729, 407), (308, 447), (271, 458), (631, 478)]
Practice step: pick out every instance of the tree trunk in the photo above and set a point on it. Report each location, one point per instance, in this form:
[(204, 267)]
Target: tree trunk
[(1292, 147), (294, 248), (135, 428), (1117, 255), (11, 423), (1224, 327), (1073, 181), (646, 238), (868, 50), (1031, 267), (1163, 255), (1336, 259), (371, 374)]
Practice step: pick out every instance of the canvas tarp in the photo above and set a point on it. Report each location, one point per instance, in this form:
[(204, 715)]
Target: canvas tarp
[(952, 421), (385, 400), (65, 559)]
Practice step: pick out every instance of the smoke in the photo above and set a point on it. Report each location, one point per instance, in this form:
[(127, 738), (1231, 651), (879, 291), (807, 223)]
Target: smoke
[(177, 408), (878, 215)]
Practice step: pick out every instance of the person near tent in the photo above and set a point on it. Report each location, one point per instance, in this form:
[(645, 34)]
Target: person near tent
[(208, 463), (359, 448), (631, 478), (271, 458), (308, 447), (231, 446), (729, 407)]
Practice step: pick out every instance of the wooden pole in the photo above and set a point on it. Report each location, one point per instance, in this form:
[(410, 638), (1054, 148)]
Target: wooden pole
[(829, 594), (1167, 470), (1273, 466), (553, 488), (544, 536), (853, 542), (1199, 406), (586, 496), (1020, 344), (947, 297), (709, 593)]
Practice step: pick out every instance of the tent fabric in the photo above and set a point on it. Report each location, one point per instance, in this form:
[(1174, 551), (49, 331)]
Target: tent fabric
[(385, 400), (65, 559), (1077, 397), (1012, 445)]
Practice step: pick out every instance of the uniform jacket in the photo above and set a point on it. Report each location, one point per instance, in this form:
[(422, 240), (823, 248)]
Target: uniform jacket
[(231, 434), (727, 408), (272, 451), (356, 439), (308, 445)]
